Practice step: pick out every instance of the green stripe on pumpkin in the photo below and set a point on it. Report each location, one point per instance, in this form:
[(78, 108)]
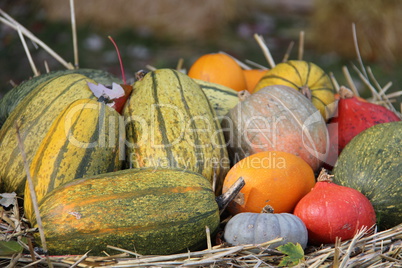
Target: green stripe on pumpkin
[(162, 124)]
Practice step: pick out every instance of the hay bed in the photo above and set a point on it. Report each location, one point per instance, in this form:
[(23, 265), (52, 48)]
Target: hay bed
[(378, 249)]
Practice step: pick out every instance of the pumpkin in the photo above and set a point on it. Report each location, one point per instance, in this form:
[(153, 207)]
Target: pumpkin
[(34, 115), (149, 211), (170, 123), (308, 78), (372, 164), (276, 118), (273, 178), (218, 68), (221, 98), (352, 117), (332, 211), (257, 228), (82, 141), (253, 76), (12, 98)]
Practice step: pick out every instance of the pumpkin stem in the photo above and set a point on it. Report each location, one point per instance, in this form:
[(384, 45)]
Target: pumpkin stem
[(324, 176), (231, 195), (140, 75), (306, 91), (244, 94), (267, 209), (120, 61), (345, 93)]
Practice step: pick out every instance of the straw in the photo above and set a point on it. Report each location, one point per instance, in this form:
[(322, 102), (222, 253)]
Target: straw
[(24, 44), (301, 46), (265, 50), (8, 20), (74, 32)]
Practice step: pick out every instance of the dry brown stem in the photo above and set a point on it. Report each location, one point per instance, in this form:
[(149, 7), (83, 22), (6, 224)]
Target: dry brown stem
[(261, 42), (74, 32)]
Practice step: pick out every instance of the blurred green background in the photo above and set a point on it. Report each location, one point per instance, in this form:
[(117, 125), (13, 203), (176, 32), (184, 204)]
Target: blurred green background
[(160, 32)]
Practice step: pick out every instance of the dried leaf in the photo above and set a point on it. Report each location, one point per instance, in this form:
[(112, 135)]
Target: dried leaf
[(99, 90), (294, 252), (114, 97), (7, 199)]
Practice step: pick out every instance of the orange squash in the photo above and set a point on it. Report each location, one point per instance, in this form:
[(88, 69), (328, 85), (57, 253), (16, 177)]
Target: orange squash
[(253, 76), (272, 178), (219, 68)]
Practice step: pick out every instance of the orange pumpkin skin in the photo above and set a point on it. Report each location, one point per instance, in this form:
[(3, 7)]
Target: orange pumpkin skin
[(219, 68), (272, 178), (253, 76)]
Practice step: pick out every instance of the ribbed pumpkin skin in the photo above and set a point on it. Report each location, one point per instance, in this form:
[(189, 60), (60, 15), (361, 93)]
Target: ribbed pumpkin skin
[(299, 74), (34, 116), (12, 98), (149, 211), (276, 118), (372, 164), (221, 98), (257, 228), (170, 123), (92, 148)]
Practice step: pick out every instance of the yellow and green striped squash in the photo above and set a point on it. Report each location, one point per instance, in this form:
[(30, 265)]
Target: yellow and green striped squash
[(13, 97), (82, 141), (170, 123), (222, 98), (33, 117), (149, 211)]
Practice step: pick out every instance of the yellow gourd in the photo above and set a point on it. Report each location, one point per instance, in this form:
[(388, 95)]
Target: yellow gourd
[(306, 77)]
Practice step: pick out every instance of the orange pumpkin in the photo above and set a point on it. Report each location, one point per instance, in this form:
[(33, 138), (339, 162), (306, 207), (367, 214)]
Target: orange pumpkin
[(272, 178), (253, 76), (219, 68)]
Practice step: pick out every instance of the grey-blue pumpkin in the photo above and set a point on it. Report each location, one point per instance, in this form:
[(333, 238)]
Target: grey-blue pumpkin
[(257, 228)]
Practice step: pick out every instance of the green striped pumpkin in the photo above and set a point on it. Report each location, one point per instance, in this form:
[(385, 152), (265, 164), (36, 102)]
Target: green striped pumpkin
[(372, 164), (170, 123), (82, 141), (149, 211), (12, 98), (308, 78), (222, 98), (34, 116)]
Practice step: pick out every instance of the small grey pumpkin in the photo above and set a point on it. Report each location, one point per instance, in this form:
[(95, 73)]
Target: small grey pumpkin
[(257, 228)]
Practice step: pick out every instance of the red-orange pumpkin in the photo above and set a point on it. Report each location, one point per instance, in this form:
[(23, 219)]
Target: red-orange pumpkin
[(330, 211)]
